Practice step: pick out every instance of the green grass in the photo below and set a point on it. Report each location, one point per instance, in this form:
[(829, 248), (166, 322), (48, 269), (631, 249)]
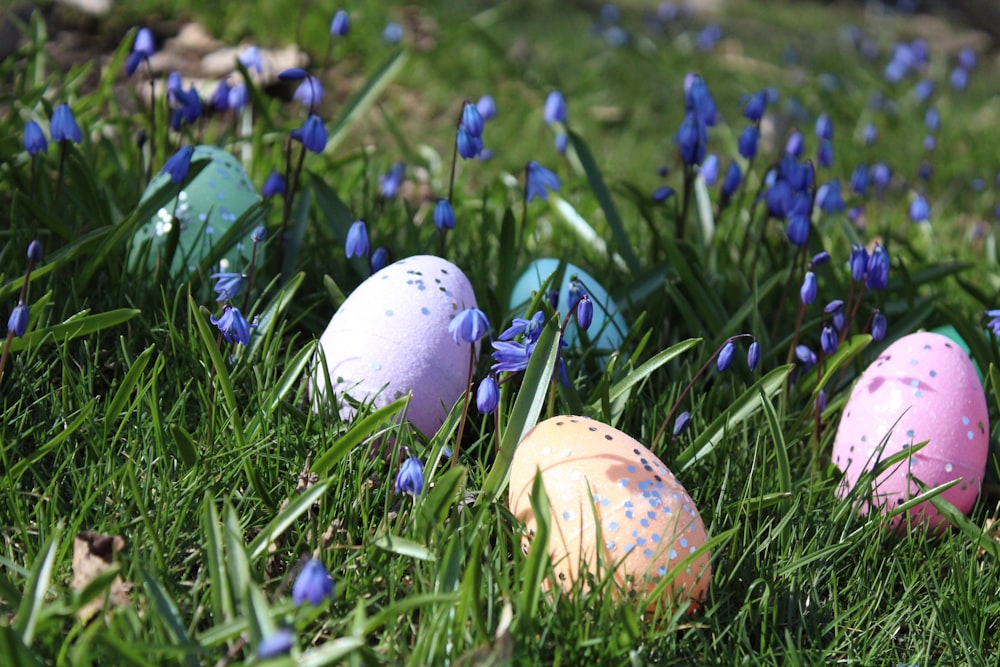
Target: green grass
[(121, 414)]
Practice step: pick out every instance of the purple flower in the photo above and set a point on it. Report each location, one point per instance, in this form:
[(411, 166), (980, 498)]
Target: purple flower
[(393, 33), (967, 58), (35, 251), (808, 290), (469, 326), (877, 276), (220, 96), (828, 197), (274, 185), (444, 215), (681, 423), (555, 108), (313, 585), (994, 323), (469, 145), (487, 395), (747, 142), (228, 285), (698, 100), (797, 229), (824, 153), (584, 312), (312, 135), (870, 134), (144, 42), (239, 96), (357, 244), (390, 182), (753, 356), (487, 107), (530, 329), (511, 357), (309, 92), (258, 234), (755, 106), (233, 326), (277, 643), (63, 125), (805, 355), (292, 74), (410, 478), (726, 356), (858, 262), (923, 90), (17, 323), (341, 24), (859, 179), (34, 139), (380, 257), (731, 182), (472, 120), (662, 194), (538, 181), (879, 325), (250, 58), (824, 127), (709, 170), (795, 144), (959, 79), (691, 139), (932, 119), (178, 164), (828, 340), (920, 210)]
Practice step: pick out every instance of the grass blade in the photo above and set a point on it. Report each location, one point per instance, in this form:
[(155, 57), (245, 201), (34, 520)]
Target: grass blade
[(287, 517), (36, 589)]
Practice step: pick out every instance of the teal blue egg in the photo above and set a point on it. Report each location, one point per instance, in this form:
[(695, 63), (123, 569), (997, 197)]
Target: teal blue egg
[(608, 329), (951, 332), (205, 210)]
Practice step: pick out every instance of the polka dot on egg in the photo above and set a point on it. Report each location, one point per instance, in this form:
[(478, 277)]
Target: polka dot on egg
[(388, 313)]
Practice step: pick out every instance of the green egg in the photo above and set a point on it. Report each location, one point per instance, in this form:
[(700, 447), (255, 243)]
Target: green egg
[(204, 212)]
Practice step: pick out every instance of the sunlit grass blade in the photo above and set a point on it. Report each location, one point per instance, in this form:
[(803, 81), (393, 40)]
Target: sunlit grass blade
[(287, 517), (223, 604), (362, 100), (36, 589), (402, 547), (537, 562), (267, 321), (778, 442), (169, 616), (624, 386), (83, 417), (358, 432), (117, 402), (225, 383), (77, 326)]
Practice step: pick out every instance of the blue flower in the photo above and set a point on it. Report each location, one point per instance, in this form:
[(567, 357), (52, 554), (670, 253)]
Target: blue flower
[(144, 42), (709, 170), (390, 182), (808, 290), (274, 185), (828, 197), (468, 144), (662, 194), (341, 24), (698, 100), (487, 395), (824, 154), (878, 268), (805, 355), (560, 142), (472, 120), (469, 326), (309, 93), (239, 96), (487, 107), (797, 229), (379, 259), (828, 340), (747, 142), (994, 323), (63, 125), (821, 400), (859, 179), (292, 74), (870, 134), (530, 329), (731, 181), (930, 143), (959, 79), (17, 323), (444, 215), (410, 478), (681, 423), (313, 585), (881, 175), (555, 108), (220, 96), (584, 312), (35, 251), (178, 164), (753, 356), (393, 33), (795, 144), (879, 325), (966, 58), (228, 285), (755, 106), (277, 643), (233, 326), (824, 127), (920, 210), (932, 119), (511, 357), (188, 109), (691, 139), (923, 90), (356, 244), (34, 139), (858, 262), (726, 356), (258, 234), (312, 135), (539, 180), (250, 58)]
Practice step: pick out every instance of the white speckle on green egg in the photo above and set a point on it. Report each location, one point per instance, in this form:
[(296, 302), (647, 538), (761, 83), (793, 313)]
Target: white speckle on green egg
[(204, 210)]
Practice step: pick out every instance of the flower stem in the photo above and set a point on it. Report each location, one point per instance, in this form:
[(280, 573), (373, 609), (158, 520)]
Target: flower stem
[(465, 406)]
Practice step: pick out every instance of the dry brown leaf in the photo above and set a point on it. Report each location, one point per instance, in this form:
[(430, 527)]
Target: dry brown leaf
[(93, 553)]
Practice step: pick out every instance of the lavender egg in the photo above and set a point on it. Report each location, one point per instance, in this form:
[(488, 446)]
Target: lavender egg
[(921, 388), (390, 338)]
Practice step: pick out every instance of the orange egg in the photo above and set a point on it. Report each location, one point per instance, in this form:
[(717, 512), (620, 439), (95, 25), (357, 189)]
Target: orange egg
[(613, 503)]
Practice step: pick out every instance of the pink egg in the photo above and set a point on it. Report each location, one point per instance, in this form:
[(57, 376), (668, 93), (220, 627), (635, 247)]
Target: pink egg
[(390, 337), (613, 502), (921, 388)]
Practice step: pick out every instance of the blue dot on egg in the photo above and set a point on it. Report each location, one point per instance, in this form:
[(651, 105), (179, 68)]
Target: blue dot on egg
[(613, 526), (644, 523), (628, 503), (965, 421), (425, 310), (567, 516), (631, 468), (624, 482), (914, 383), (672, 554), (605, 502), (648, 553), (913, 362), (970, 435), (629, 514), (661, 571), (629, 547), (641, 541), (918, 394), (655, 537), (388, 313), (933, 374), (684, 542)]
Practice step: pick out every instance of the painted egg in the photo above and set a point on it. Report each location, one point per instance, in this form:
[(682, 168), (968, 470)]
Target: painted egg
[(608, 328), (205, 210), (595, 474), (921, 388), (390, 337)]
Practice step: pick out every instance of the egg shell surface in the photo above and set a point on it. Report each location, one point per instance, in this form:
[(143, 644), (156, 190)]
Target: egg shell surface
[(921, 388), (608, 328), (647, 521), (205, 210), (390, 337)]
